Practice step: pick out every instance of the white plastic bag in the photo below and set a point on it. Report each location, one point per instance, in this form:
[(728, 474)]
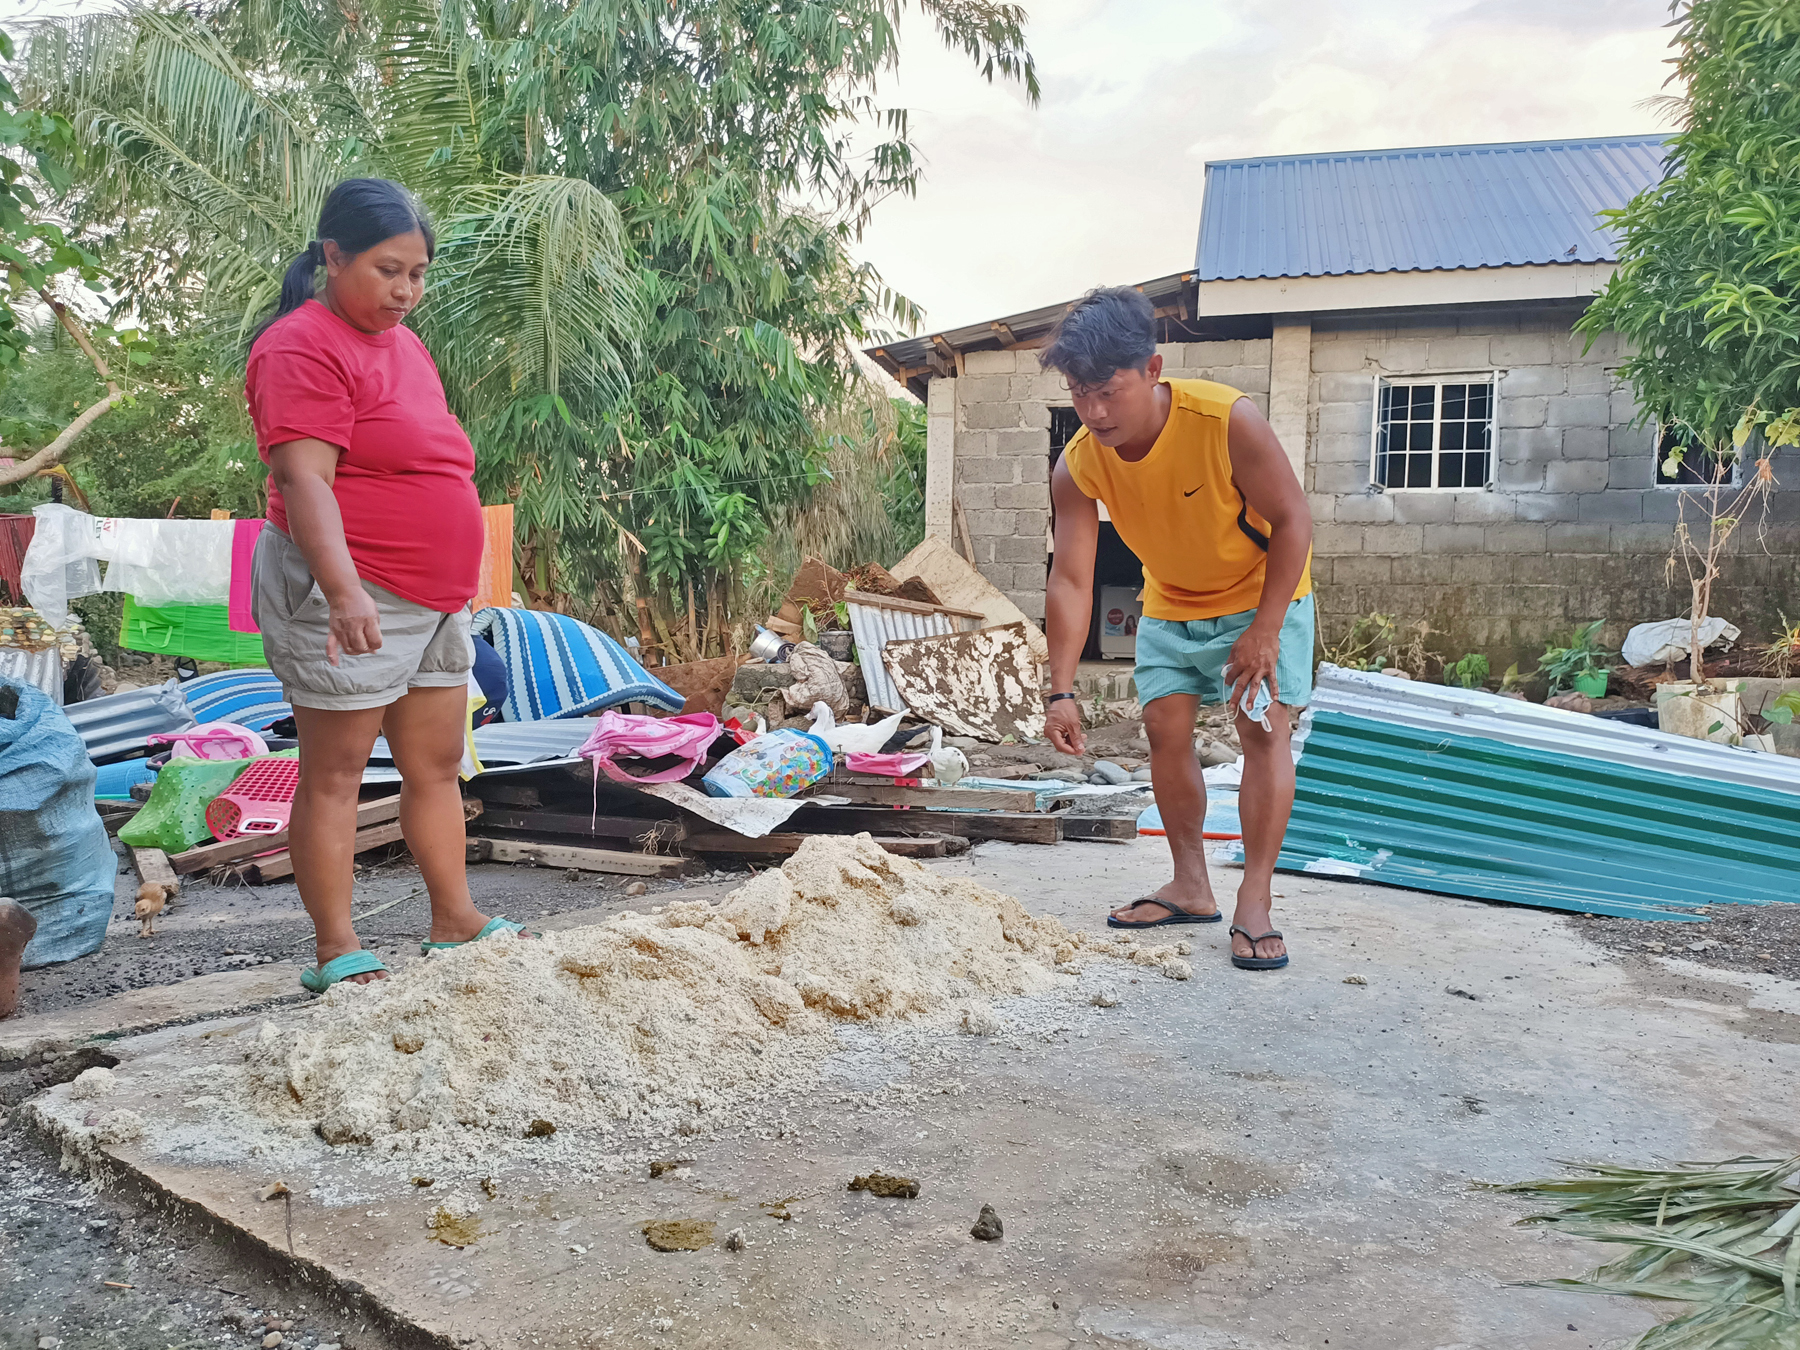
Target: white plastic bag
[(1656, 644), (157, 562)]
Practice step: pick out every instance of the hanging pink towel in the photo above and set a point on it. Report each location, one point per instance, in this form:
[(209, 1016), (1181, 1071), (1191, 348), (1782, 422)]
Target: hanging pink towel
[(244, 533), (627, 736), (896, 765)]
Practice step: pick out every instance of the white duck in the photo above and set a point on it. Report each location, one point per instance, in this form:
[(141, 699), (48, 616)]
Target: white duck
[(853, 738), (948, 765)]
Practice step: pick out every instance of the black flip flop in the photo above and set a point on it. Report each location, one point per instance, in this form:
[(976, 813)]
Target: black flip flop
[(1254, 962), (1173, 916)]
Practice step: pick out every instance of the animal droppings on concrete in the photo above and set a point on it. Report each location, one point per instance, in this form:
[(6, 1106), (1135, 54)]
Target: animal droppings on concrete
[(888, 1187), (679, 1235)]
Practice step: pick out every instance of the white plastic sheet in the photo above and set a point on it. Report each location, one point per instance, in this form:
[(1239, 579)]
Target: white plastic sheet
[(158, 562), (1655, 644)]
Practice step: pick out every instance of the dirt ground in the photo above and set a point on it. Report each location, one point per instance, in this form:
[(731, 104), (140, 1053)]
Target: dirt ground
[(1764, 939)]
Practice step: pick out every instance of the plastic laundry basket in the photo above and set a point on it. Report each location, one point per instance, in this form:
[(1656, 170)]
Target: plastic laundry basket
[(259, 800)]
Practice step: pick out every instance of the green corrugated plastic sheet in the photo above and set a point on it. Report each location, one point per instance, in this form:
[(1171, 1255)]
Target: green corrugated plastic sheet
[(1465, 815)]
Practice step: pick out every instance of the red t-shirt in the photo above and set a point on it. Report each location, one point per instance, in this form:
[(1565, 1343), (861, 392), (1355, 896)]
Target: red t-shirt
[(405, 472)]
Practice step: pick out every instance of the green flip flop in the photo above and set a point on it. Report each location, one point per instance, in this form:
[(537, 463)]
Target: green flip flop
[(318, 979), (488, 929)]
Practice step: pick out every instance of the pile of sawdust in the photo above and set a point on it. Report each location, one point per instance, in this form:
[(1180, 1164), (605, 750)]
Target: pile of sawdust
[(661, 1022)]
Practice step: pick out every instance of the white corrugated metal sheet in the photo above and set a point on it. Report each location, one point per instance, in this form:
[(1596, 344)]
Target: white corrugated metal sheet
[(1531, 726), (875, 627), (1425, 209)]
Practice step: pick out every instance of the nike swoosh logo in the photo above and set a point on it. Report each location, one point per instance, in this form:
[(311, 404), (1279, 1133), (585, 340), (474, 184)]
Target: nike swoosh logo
[(1191, 491)]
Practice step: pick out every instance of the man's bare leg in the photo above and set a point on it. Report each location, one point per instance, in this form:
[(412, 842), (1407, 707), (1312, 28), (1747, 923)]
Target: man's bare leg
[(1181, 798), (1265, 800)]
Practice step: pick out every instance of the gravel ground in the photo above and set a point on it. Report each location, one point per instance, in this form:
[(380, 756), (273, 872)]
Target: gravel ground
[(59, 1245), (1760, 938)]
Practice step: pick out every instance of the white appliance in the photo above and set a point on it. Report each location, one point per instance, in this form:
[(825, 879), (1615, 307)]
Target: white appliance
[(1120, 610)]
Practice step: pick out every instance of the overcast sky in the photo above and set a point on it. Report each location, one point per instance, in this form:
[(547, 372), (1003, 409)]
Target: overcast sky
[(1100, 183)]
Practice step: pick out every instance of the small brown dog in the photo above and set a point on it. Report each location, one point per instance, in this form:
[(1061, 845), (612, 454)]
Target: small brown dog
[(152, 897)]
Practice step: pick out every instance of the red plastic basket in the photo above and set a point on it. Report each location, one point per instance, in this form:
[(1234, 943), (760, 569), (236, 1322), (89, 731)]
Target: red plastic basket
[(259, 800)]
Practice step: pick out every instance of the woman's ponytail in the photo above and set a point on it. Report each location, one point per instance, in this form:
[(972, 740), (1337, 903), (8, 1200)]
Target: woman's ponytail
[(359, 214)]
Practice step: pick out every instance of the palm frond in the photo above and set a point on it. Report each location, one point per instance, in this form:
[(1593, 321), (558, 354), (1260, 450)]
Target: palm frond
[(1721, 1237)]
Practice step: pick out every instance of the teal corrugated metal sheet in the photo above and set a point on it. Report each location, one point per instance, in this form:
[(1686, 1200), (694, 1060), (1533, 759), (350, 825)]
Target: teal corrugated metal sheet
[(1465, 815)]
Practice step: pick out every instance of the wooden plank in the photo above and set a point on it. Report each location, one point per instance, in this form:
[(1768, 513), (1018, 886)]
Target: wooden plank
[(205, 856), (910, 606), (990, 799), (1019, 827), (279, 865), (632, 829), (1105, 829), (153, 868), (583, 859), (506, 794)]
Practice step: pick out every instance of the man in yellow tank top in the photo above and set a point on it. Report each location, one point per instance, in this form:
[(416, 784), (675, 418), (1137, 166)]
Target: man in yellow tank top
[(1201, 491)]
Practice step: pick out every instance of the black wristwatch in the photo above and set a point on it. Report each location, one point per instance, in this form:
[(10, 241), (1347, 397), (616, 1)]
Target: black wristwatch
[(1051, 698)]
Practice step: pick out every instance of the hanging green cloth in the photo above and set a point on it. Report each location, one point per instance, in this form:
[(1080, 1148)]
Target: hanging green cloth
[(202, 632)]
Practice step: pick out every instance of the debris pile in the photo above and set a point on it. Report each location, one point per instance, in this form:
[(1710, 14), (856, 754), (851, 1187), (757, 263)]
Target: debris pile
[(675, 1020)]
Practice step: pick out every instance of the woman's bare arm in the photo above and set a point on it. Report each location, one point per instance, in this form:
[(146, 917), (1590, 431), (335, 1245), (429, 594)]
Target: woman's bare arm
[(304, 472)]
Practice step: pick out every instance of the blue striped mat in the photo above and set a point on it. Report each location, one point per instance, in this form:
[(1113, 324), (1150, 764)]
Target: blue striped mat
[(560, 667), (251, 698)]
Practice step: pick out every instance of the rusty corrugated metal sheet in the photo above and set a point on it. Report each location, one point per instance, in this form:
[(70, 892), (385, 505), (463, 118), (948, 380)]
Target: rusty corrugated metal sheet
[(875, 626), (1453, 791)]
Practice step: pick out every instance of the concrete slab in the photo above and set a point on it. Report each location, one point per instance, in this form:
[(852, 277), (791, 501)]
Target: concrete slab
[(139, 1010), (1241, 1160)]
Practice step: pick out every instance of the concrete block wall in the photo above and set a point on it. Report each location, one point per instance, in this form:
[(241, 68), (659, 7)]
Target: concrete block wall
[(1574, 529), (1003, 402)]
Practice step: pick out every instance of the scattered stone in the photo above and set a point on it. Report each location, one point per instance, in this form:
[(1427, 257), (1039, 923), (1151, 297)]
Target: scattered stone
[(539, 1129), (1655, 947), (888, 1187), (49, 1342), (1105, 997), (1141, 775), (1461, 993), (1184, 948), (1705, 945), (637, 888), (422, 1182), (988, 1227), (490, 1188), (273, 1189), (660, 1165), (662, 1324), (91, 1083), (1108, 772), (1395, 673), (679, 1235), (1354, 979), (272, 1340), (578, 1249), (734, 1240), (979, 1022)]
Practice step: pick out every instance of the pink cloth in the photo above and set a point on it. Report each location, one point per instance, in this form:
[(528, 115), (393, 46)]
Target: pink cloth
[(632, 737), (239, 619), (896, 765)]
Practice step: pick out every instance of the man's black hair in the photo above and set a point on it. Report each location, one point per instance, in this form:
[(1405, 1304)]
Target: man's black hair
[(1110, 328)]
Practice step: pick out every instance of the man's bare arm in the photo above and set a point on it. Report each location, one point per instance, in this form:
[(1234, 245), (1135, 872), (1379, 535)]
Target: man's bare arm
[(1263, 474), (1069, 602)]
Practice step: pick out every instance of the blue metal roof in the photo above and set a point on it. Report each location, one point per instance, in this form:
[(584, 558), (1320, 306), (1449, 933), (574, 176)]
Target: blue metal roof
[(1428, 209)]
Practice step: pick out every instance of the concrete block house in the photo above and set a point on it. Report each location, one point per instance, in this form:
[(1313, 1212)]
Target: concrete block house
[(1403, 317)]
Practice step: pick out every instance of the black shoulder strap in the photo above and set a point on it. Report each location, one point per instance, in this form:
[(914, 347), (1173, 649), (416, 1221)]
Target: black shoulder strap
[(1254, 535)]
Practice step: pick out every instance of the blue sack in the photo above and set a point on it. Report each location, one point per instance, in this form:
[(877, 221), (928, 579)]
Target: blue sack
[(55, 858)]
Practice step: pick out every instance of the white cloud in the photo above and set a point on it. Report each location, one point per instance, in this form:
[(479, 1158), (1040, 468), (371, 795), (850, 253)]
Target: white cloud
[(1101, 183)]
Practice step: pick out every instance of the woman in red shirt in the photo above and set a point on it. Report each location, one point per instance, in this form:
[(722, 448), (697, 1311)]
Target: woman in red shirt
[(363, 577)]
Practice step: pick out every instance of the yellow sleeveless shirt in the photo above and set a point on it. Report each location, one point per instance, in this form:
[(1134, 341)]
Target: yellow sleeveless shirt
[(1179, 510)]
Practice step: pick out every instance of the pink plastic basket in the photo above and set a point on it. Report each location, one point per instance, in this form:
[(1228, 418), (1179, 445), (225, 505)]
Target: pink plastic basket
[(259, 801)]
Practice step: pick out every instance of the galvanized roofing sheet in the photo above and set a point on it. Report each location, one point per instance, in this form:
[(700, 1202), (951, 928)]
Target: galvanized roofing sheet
[(1450, 791), (1425, 209)]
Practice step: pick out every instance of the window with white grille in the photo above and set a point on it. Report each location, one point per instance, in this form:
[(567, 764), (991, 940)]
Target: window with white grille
[(1434, 433)]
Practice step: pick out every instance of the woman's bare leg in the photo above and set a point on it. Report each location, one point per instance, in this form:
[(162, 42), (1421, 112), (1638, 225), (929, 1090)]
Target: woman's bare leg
[(334, 750), (425, 731)]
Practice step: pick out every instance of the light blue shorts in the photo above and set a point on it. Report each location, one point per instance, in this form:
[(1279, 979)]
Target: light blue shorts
[(1189, 658)]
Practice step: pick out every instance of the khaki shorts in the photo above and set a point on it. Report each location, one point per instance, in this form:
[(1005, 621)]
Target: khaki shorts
[(420, 648)]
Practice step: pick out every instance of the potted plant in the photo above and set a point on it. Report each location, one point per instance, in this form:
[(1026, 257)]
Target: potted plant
[(1579, 663), (1754, 730)]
